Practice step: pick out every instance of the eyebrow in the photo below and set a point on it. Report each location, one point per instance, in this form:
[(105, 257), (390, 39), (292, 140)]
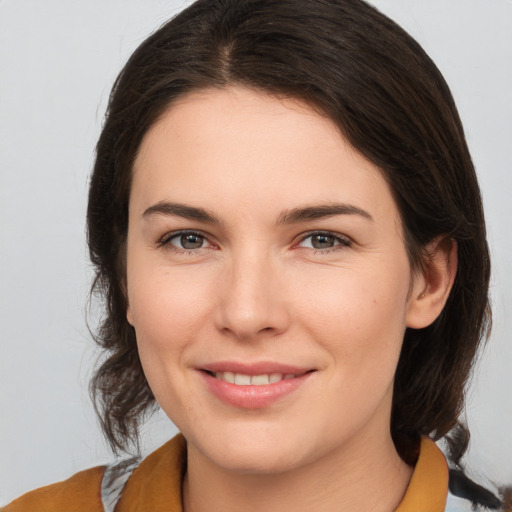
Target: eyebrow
[(293, 216), (182, 210), (296, 215)]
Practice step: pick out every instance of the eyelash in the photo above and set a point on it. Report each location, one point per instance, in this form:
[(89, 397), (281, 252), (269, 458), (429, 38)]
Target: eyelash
[(341, 241)]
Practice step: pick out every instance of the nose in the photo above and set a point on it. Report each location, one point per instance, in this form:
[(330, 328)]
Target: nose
[(252, 298)]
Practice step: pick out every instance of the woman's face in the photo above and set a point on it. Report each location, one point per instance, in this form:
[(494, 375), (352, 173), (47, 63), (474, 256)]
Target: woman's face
[(264, 250)]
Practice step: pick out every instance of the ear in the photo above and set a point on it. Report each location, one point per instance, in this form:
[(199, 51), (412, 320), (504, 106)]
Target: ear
[(432, 283), (129, 315)]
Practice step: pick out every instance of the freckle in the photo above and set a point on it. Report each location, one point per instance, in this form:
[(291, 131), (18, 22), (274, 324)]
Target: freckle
[(375, 301)]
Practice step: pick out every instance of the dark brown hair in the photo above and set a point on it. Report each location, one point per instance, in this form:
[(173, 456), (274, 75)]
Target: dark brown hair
[(389, 100)]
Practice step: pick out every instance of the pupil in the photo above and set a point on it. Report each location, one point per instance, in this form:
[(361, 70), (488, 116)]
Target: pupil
[(322, 241), (191, 241)]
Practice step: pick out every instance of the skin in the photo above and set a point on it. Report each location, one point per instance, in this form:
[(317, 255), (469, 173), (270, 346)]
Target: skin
[(259, 290)]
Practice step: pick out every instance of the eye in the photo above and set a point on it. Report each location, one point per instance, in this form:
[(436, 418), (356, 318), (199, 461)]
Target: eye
[(185, 240), (323, 241)]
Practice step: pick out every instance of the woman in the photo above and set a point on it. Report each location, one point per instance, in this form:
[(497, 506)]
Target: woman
[(289, 236)]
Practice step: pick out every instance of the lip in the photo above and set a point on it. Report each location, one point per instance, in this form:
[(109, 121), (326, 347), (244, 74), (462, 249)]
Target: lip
[(257, 368), (250, 396)]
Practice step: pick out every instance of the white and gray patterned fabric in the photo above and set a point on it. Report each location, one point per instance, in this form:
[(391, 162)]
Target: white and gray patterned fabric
[(456, 504), (114, 479)]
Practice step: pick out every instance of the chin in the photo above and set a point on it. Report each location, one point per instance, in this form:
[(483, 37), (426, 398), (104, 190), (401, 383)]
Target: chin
[(259, 450), (258, 460)]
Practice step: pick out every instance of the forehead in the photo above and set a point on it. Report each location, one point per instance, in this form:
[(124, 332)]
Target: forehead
[(253, 151)]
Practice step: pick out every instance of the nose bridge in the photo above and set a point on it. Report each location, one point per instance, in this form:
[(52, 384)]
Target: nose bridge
[(250, 300)]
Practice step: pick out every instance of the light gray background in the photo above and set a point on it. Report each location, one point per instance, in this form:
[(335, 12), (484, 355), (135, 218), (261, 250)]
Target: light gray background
[(58, 60)]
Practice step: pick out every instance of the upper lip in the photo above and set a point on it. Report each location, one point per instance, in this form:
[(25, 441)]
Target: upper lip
[(256, 368)]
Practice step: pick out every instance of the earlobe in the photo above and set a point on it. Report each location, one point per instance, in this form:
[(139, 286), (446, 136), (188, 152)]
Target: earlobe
[(433, 283), (129, 315)]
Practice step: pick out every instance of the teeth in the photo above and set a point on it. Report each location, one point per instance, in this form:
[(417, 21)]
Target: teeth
[(228, 377), (241, 379), (260, 380)]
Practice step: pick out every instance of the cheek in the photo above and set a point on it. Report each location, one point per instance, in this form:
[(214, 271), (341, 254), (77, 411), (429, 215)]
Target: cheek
[(167, 307), (359, 316), (170, 311)]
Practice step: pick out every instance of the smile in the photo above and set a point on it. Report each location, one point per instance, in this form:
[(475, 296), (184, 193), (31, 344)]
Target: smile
[(255, 386)]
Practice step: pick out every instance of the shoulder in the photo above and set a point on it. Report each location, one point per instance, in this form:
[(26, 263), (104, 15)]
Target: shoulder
[(78, 493), (153, 484)]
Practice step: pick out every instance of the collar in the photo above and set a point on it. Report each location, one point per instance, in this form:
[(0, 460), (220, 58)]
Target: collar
[(428, 488)]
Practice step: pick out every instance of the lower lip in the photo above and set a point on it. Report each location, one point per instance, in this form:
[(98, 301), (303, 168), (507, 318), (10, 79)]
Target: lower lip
[(252, 397)]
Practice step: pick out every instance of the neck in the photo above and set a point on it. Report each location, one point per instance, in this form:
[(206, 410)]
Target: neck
[(369, 475)]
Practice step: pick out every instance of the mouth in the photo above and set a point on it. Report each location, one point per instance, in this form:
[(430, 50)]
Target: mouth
[(255, 386)]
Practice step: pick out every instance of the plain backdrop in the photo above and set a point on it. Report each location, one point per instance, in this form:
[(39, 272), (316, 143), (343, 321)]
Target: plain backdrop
[(58, 59)]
